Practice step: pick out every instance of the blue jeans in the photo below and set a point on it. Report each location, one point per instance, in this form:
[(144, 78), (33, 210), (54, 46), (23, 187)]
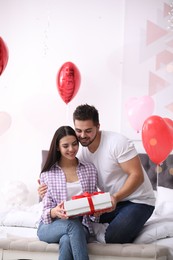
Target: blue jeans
[(70, 235), (126, 221)]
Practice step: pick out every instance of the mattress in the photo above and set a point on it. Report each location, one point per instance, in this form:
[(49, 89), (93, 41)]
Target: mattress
[(20, 232)]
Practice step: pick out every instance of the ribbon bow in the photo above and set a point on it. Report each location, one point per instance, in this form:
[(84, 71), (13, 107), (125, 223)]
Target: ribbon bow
[(89, 197)]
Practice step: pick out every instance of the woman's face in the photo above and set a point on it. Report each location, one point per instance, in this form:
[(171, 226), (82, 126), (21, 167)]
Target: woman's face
[(68, 147)]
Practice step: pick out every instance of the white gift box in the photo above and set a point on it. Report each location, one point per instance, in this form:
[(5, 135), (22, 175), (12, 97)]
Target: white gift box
[(87, 205)]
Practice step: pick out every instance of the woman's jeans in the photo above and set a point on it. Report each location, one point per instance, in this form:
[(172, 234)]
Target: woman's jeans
[(70, 235), (126, 221)]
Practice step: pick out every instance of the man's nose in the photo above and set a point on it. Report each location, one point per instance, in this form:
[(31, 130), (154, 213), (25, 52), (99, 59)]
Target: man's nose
[(83, 135)]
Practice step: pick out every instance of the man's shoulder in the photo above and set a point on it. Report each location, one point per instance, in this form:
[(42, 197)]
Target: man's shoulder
[(113, 135)]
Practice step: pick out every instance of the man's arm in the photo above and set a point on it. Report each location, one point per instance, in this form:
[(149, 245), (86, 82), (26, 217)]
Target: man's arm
[(133, 169)]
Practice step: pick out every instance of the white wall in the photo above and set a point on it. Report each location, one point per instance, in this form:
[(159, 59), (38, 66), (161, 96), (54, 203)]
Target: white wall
[(41, 36)]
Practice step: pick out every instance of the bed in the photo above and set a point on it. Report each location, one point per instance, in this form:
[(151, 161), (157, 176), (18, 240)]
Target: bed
[(18, 226)]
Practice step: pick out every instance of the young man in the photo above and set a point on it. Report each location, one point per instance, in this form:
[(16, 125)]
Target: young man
[(119, 172)]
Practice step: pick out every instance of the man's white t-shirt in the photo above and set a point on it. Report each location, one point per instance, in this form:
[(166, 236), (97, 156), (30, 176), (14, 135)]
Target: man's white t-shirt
[(115, 148)]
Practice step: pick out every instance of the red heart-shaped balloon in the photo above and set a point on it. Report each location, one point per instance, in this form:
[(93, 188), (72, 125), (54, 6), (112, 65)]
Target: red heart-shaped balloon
[(68, 81), (3, 55), (157, 138)]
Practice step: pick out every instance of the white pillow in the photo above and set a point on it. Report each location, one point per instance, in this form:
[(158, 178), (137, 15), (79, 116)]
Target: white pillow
[(28, 217), (155, 230), (164, 201), (13, 193)]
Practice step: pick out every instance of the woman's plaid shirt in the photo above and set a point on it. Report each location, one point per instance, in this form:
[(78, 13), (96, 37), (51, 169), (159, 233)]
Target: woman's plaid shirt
[(57, 188)]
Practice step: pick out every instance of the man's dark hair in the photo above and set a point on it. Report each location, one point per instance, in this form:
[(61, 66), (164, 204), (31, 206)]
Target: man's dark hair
[(86, 112)]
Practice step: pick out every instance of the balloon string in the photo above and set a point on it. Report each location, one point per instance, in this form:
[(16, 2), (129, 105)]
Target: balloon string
[(67, 114), (157, 175), (157, 172), (157, 183)]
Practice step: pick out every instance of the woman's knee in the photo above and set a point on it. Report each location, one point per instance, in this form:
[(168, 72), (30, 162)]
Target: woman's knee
[(64, 240), (75, 224)]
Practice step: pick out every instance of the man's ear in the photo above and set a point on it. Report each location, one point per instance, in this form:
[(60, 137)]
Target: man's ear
[(98, 126)]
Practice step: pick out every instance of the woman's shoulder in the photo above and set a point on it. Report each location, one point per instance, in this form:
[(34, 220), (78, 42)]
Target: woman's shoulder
[(54, 169)]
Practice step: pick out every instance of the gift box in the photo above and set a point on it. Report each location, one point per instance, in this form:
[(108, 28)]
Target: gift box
[(88, 204)]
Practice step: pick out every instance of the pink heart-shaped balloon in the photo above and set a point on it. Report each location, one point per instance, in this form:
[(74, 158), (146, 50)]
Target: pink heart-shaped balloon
[(5, 122), (157, 138), (139, 109)]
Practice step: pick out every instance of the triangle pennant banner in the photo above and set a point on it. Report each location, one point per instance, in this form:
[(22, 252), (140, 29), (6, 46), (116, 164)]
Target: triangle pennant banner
[(156, 84), (164, 57), (154, 32)]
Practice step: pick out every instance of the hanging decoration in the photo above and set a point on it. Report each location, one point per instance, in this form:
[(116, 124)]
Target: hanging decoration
[(170, 15), (157, 138), (68, 81), (3, 56)]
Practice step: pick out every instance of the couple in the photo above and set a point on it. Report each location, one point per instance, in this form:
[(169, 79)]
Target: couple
[(108, 161)]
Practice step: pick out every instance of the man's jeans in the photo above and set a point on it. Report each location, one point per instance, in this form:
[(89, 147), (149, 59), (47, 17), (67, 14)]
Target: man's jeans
[(70, 235), (126, 221)]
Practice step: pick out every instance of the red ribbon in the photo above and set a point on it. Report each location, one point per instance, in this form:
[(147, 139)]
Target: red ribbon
[(89, 197)]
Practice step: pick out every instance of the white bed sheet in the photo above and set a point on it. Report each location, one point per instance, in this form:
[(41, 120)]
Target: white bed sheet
[(159, 231), (167, 242), (21, 232), (157, 227)]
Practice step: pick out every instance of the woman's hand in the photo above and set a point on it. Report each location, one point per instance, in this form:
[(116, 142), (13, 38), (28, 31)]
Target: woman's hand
[(59, 212)]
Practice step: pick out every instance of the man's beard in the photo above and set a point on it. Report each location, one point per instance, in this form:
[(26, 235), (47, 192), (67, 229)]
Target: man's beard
[(88, 142)]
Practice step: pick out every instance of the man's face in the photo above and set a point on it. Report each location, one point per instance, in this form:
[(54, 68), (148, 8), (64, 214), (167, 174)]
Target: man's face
[(86, 131)]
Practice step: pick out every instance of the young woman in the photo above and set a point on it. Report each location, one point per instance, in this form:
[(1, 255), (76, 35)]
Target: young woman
[(65, 176)]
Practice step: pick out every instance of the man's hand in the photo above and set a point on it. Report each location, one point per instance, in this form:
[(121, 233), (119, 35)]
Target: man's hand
[(114, 203), (42, 189)]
